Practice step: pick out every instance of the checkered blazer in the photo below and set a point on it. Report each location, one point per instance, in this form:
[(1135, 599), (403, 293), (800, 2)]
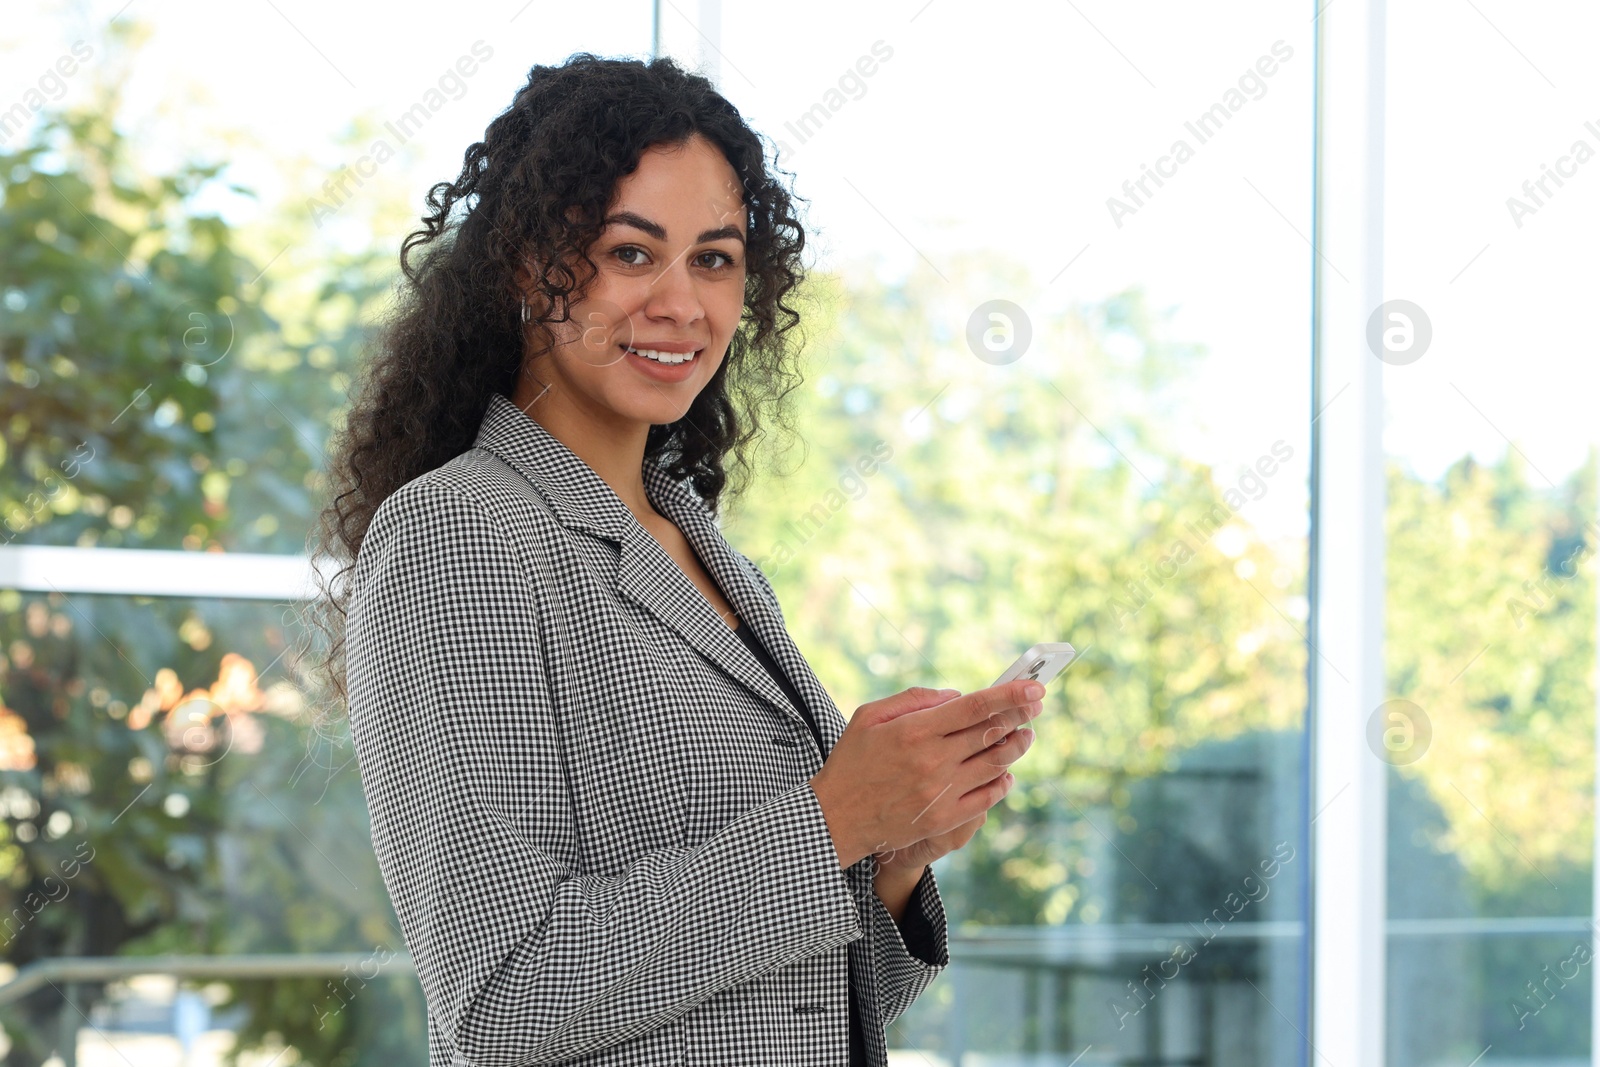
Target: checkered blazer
[(590, 801)]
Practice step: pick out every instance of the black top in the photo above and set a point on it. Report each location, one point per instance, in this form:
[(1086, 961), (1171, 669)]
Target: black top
[(917, 931), (754, 644)]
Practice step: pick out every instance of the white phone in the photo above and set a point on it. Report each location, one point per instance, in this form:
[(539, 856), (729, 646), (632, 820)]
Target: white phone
[(1042, 663)]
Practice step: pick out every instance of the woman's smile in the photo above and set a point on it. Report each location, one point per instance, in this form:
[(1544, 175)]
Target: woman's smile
[(662, 363)]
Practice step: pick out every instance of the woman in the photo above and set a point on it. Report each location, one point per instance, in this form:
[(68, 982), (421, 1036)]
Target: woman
[(619, 818)]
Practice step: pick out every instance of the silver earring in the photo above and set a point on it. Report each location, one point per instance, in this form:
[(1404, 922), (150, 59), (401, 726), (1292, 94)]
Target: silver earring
[(525, 315)]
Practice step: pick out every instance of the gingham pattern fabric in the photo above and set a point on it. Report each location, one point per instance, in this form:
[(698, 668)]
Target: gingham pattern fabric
[(590, 802)]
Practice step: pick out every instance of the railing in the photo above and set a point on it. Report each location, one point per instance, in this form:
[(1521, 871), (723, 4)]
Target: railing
[(1051, 959), (107, 968), (64, 973)]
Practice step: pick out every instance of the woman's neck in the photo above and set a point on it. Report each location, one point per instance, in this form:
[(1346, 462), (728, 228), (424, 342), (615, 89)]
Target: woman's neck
[(613, 449)]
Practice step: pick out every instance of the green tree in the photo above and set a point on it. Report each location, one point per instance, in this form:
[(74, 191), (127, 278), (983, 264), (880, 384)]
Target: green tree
[(158, 795), (1490, 630)]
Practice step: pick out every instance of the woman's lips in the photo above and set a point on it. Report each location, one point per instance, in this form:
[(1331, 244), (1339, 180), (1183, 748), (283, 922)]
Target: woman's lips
[(661, 372)]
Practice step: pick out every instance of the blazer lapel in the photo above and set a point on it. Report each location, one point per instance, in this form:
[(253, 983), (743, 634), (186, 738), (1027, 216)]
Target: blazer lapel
[(646, 574), (740, 585)]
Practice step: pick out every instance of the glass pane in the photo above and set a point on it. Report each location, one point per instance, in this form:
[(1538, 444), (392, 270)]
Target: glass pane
[(1490, 631), (166, 790), (1058, 391)]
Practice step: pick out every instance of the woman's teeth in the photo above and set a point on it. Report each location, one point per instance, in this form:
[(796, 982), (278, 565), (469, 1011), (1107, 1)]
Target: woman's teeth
[(661, 357)]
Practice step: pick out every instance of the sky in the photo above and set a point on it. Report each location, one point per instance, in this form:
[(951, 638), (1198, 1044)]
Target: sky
[(1008, 128)]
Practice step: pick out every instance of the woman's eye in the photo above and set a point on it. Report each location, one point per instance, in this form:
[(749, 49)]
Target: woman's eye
[(719, 260)]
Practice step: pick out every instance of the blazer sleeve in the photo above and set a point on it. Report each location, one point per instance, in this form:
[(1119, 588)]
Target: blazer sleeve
[(906, 961), (526, 958)]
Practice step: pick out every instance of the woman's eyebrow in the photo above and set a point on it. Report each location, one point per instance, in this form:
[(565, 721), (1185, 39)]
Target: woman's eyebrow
[(639, 222)]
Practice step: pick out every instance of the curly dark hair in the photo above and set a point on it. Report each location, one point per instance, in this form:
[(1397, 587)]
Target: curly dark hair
[(533, 196)]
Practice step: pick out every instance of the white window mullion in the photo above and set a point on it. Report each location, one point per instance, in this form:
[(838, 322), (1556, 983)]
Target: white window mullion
[(1349, 827), (155, 572)]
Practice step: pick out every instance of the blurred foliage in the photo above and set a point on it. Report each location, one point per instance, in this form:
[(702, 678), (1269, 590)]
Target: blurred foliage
[(117, 320), (164, 391), (1491, 631), (210, 816)]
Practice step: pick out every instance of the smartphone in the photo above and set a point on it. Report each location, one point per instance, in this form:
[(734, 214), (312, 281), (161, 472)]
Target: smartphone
[(1042, 662)]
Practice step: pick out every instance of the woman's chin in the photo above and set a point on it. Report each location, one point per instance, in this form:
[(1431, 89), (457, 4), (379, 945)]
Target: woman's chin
[(656, 410)]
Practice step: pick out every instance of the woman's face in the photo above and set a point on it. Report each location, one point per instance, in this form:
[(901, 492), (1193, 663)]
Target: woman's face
[(671, 280)]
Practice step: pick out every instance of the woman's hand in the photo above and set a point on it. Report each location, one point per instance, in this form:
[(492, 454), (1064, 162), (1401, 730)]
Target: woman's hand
[(919, 854), (1007, 750), (921, 764)]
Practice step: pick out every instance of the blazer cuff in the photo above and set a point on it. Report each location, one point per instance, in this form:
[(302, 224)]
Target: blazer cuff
[(907, 961), (916, 930)]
